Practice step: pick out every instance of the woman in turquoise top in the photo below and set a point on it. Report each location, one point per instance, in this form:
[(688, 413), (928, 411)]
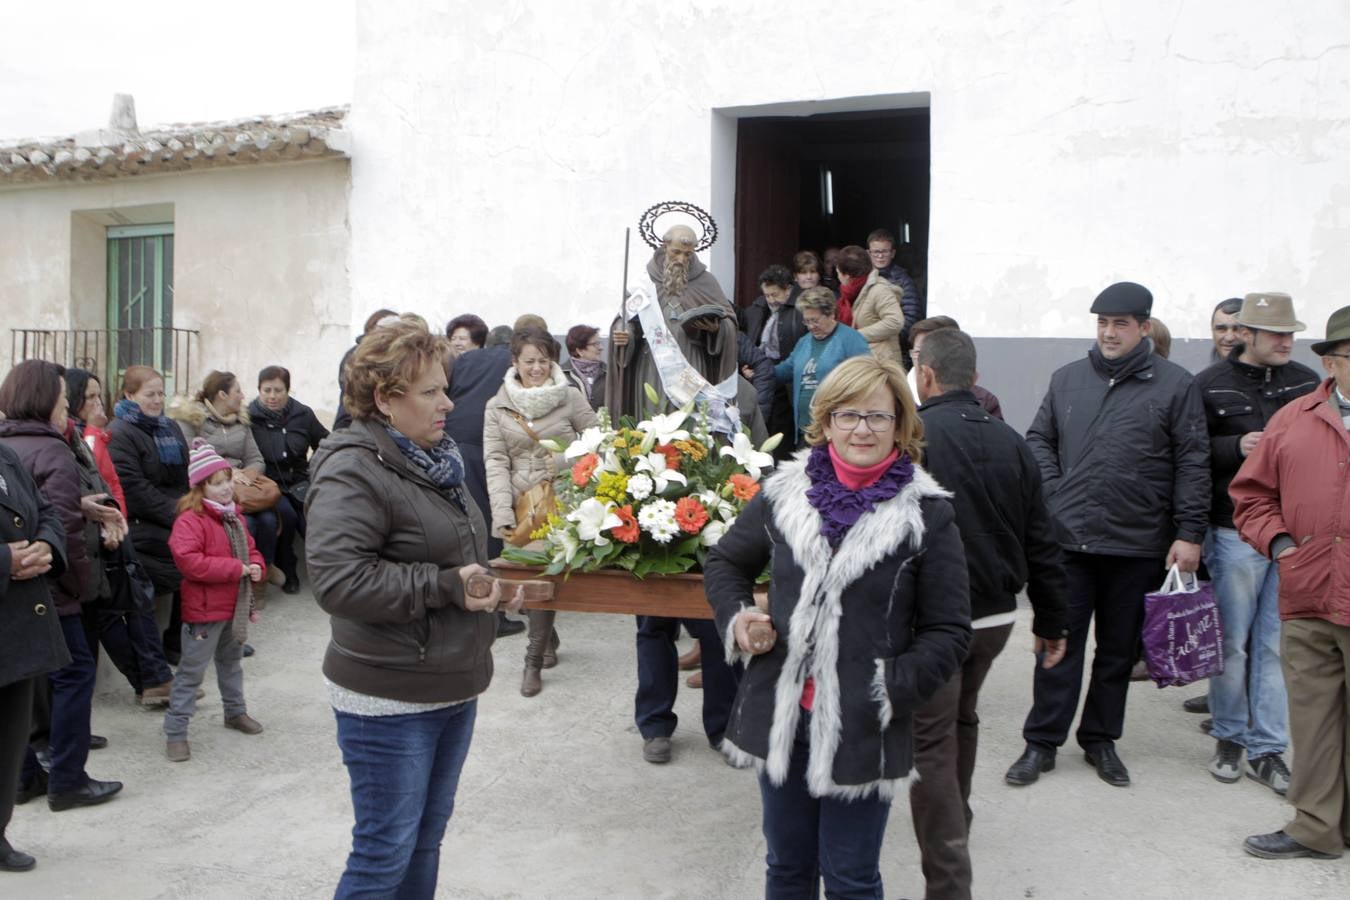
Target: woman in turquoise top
[(830, 344)]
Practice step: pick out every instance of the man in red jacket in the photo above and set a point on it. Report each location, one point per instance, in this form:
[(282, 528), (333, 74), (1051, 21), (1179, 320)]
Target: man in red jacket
[(1292, 503)]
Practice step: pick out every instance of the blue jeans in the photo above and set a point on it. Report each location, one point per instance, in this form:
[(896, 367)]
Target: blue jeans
[(72, 699), (1248, 700), (263, 526), (404, 771), (810, 838)]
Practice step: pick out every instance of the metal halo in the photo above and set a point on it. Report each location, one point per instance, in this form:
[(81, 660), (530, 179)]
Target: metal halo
[(647, 224)]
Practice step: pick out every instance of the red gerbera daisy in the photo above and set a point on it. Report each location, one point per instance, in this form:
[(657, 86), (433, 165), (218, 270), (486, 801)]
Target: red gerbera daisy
[(743, 487), (628, 532), (690, 515), (584, 468)]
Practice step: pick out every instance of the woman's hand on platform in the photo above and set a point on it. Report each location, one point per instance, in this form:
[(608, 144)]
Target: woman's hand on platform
[(754, 632)]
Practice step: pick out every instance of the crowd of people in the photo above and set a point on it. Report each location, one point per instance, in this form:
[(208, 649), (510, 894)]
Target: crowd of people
[(902, 522)]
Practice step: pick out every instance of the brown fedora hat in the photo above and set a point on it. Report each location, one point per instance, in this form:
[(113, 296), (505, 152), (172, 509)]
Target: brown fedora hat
[(1269, 311), (1338, 331)]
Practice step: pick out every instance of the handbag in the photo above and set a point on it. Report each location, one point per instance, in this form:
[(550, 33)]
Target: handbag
[(1182, 636), (130, 588), (255, 493), (536, 504), (297, 492)]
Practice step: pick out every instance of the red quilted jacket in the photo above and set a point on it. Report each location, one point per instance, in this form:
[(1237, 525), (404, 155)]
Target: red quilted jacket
[(201, 550)]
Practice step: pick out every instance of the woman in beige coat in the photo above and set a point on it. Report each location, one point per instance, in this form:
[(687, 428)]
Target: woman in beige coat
[(877, 313), (536, 401)]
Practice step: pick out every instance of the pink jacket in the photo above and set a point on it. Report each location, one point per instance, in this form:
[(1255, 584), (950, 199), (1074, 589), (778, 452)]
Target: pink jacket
[(201, 550), (1297, 482)]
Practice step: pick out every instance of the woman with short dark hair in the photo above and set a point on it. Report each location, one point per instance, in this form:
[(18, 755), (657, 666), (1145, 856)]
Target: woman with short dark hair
[(868, 616), (466, 332), (37, 428), (394, 540), (586, 366), (286, 431)]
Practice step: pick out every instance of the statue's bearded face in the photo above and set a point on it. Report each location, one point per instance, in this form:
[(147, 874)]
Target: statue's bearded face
[(676, 272)]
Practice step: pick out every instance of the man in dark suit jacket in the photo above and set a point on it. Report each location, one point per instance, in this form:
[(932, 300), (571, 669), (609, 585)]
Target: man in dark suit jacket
[(475, 377), (775, 305)]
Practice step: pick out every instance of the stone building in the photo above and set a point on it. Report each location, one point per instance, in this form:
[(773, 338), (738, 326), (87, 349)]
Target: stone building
[(188, 247)]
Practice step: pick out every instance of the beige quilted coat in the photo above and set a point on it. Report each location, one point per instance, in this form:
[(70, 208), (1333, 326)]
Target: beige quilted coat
[(515, 461), (878, 316)]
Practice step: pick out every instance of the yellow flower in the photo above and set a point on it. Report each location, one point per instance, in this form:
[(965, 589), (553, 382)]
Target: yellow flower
[(613, 487), (692, 449)]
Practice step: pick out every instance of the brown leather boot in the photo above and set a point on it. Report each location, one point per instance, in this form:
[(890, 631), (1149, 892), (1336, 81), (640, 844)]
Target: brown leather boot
[(551, 648), (539, 637)]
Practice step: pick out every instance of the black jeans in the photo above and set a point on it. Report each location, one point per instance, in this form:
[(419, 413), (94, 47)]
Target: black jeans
[(946, 737), (16, 707), (1110, 589), (659, 677), (263, 526), (292, 518)]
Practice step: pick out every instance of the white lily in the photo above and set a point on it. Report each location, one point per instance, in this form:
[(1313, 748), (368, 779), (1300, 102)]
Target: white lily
[(594, 518), (666, 428), (745, 454), (654, 464), (588, 441), (715, 505), (566, 545)]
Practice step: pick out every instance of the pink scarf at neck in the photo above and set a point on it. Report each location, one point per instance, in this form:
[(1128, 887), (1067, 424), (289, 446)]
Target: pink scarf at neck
[(856, 478)]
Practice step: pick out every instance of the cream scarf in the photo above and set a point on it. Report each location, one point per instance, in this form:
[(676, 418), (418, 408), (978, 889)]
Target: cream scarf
[(537, 401)]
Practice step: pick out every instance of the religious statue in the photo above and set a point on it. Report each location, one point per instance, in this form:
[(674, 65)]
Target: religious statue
[(678, 335)]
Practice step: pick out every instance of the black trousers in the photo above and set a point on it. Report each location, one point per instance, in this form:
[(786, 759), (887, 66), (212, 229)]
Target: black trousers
[(16, 706), (659, 677), (946, 737), (1109, 590)]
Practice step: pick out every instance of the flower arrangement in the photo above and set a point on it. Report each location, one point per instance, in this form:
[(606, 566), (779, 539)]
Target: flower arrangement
[(649, 497)]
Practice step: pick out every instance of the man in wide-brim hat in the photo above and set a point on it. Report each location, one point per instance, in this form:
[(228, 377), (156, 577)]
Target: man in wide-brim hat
[(1241, 393), (1292, 504)]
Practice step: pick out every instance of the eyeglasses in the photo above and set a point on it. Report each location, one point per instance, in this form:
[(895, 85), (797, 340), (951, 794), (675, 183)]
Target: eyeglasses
[(1338, 355), (848, 420), (880, 252)]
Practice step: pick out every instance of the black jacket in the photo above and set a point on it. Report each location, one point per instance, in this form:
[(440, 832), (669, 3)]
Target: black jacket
[(1007, 531), (285, 440), (31, 642), (343, 418), (747, 354), (152, 489), (475, 378), (879, 624), (1240, 398), (790, 324), (1125, 460)]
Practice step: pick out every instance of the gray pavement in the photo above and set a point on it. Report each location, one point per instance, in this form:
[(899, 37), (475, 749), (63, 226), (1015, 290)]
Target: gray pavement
[(555, 799)]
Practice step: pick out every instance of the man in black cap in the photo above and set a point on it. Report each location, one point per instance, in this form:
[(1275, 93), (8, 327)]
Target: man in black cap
[(1123, 450)]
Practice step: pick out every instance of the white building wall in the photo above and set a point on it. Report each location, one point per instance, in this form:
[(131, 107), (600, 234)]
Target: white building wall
[(260, 266), (1202, 148)]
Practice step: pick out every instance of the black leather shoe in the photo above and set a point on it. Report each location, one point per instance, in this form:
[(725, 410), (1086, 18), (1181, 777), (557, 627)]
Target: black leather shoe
[(1206, 725), (1029, 766), (291, 585), (97, 742), (1198, 705), (12, 860), (92, 794), (507, 627), (248, 651), (35, 788), (1278, 845), (1108, 765)]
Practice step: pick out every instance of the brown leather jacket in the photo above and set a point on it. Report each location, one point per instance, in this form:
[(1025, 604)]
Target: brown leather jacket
[(384, 547)]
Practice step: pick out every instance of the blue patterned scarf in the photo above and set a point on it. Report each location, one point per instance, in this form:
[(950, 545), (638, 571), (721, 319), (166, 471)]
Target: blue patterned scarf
[(442, 463), (167, 441)]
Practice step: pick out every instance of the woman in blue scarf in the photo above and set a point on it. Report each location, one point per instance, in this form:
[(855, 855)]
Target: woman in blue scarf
[(151, 457)]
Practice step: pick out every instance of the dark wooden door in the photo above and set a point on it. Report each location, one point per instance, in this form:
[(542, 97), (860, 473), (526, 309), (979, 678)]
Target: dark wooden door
[(768, 201)]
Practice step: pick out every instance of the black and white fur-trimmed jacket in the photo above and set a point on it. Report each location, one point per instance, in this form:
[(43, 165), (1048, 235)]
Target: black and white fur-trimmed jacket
[(880, 624)]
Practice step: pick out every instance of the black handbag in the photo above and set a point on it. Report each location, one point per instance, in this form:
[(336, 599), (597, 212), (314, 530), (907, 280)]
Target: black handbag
[(130, 587)]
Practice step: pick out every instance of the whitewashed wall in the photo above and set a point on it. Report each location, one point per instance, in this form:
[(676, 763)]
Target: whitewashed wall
[(260, 265), (1202, 148)]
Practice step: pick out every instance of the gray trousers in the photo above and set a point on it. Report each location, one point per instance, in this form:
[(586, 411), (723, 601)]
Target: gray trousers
[(203, 642)]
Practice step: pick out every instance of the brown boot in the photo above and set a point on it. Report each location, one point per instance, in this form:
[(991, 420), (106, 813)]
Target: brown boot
[(539, 637), (157, 695), (695, 680), (551, 649), (178, 751), (245, 723), (691, 660)]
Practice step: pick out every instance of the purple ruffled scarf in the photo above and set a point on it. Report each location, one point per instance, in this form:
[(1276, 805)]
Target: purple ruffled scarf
[(840, 508)]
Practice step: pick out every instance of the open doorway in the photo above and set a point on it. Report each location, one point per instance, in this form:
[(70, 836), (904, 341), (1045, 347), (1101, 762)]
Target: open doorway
[(810, 182)]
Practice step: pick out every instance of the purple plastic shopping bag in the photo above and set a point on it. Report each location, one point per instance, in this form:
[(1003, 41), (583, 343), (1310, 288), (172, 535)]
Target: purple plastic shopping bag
[(1183, 638)]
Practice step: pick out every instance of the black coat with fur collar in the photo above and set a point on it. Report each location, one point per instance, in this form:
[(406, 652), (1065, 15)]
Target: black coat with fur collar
[(880, 624)]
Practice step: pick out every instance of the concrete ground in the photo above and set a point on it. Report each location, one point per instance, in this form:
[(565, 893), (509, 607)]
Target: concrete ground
[(555, 800)]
